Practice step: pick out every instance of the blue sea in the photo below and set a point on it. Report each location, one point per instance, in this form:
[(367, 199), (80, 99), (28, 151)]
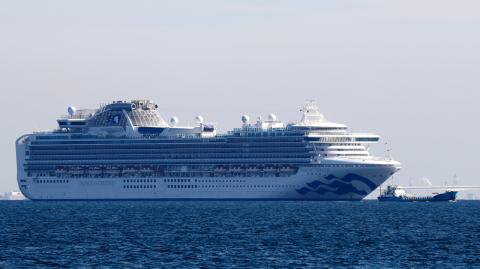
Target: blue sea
[(239, 234)]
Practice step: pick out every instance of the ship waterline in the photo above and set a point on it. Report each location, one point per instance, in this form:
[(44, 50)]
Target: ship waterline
[(126, 150)]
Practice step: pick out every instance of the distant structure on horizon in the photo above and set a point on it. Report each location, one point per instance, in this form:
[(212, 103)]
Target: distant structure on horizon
[(126, 150), (12, 195), (471, 196)]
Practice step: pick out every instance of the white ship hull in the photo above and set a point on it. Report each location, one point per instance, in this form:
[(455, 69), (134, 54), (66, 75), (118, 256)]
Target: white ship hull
[(310, 183)]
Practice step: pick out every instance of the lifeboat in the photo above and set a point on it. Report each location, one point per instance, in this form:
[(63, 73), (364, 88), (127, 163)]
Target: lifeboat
[(95, 170), (113, 170), (146, 170), (129, 171), (252, 168), (270, 169), (77, 170), (60, 171), (219, 169)]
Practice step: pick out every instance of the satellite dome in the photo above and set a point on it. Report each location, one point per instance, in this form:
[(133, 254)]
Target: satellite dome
[(245, 119), (71, 110), (199, 119), (174, 121), (272, 117)]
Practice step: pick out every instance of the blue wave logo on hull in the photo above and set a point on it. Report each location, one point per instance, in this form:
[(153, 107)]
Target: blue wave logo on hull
[(339, 185), (354, 177)]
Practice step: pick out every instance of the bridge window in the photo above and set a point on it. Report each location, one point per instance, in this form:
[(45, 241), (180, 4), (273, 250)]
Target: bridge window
[(366, 139)]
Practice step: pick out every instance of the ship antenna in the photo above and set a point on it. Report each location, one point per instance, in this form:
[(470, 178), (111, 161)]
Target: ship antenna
[(388, 150)]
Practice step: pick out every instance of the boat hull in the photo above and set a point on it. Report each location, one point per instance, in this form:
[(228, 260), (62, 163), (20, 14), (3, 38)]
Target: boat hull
[(309, 183), (448, 196)]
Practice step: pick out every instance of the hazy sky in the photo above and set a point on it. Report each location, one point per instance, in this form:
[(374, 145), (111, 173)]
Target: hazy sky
[(407, 70)]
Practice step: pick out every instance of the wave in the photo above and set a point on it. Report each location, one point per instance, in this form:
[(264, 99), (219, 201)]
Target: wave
[(354, 177), (339, 187)]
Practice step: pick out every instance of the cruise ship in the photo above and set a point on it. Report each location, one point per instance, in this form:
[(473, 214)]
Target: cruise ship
[(125, 150)]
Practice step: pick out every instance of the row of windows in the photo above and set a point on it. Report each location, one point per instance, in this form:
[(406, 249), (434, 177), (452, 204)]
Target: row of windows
[(219, 174), (168, 156), (346, 165), (220, 180), (182, 174), (139, 186), (255, 133), (179, 143), (162, 151), (334, 139), (52, 136), (43, 181), (344, 155), (182, 186), (367, 139), (328, 149), (177, 180), (100, 176), (340, 144), (230, 186), (292, 134), (192, 161), (172, 147), (168, 180), (147, 180), (216, 174)]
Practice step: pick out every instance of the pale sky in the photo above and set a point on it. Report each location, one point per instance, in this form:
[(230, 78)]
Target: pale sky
[(406, 70)]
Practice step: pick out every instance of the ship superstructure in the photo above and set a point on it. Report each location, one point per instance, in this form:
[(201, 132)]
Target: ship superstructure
[(126, 150)]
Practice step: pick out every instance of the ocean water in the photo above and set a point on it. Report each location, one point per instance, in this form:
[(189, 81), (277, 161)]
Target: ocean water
[(239, 234)]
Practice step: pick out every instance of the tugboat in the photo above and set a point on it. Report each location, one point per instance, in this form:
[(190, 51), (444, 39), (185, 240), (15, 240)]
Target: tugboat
[(398, 194)]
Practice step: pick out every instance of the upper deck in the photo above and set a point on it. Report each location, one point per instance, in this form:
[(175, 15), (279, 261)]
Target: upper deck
[(138, 126), (133, 135), (140, 118)]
